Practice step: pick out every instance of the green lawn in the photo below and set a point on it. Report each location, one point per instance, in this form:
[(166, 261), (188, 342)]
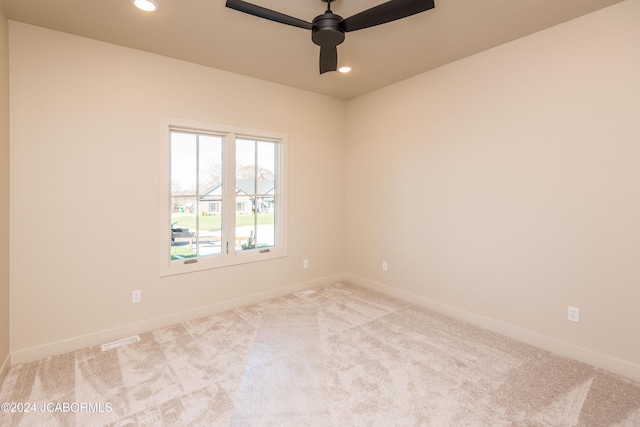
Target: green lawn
[(212, 223), (181, 252)]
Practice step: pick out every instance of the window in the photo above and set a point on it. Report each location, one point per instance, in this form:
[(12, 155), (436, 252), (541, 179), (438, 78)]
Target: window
[(255, 192), (227, 198)]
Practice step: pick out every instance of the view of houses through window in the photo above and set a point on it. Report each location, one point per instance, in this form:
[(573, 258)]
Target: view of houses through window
[(211, 217)]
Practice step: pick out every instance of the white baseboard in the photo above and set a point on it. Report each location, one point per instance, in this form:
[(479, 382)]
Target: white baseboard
[(553, 345), (4, 368), (100, 337), (599, 360)]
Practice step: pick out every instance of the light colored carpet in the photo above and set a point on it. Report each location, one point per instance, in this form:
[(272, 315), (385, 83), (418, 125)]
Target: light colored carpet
[(343, 356)]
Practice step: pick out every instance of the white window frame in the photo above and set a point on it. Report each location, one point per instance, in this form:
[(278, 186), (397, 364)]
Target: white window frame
[(231, 256)]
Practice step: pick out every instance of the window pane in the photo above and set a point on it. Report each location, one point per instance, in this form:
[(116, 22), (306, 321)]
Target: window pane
[(196, 202), (183, 162), (183, 236), (266, 225), (245, 224), (266, 167), (245, 166), (210, 191), (210, 165), (209, 229), (183, 200)]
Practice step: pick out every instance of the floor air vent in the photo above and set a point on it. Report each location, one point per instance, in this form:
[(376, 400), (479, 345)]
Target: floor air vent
[(120, 343)]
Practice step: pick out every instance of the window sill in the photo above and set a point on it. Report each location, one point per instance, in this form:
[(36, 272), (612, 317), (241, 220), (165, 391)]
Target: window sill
[(215, 262)]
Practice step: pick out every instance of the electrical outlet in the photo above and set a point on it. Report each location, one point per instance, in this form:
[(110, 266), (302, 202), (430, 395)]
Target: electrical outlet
[(574, 314), (385, 266), (305, 263), (136, 296)]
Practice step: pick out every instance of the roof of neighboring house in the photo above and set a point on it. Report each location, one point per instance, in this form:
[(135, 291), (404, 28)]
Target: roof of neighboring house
[(245, 186)]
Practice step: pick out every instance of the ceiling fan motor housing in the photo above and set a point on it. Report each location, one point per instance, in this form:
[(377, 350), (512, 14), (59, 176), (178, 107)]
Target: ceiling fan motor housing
[(326, 31)]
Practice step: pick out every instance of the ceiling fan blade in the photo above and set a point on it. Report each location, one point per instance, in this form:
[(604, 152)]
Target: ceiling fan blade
[(386, 12), (269, 14), (328, 59)]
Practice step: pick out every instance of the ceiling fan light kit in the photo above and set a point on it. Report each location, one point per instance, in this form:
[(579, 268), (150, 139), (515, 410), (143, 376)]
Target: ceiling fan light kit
[(328, 30)]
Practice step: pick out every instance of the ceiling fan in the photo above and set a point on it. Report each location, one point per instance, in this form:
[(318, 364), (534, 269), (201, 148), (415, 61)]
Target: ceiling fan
[(328, 29)]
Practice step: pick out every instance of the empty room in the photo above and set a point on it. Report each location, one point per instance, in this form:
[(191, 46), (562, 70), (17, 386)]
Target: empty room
[(342, 213)]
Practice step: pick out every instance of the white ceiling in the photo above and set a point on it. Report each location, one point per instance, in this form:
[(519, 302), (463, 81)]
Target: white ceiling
[(208, 33)]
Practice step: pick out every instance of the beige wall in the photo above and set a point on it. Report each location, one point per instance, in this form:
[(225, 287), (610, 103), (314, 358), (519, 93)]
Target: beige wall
[(4, 195), (85, 152), (501, 188), (524, 162)]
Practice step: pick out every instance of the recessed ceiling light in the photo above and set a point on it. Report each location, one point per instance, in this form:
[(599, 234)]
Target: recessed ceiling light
[(344, 69), (146, 5)]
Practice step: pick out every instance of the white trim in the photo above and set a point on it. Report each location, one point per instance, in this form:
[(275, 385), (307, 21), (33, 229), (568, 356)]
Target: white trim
[(603, 361), (97, 338), (120, 343), (4, 368)]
